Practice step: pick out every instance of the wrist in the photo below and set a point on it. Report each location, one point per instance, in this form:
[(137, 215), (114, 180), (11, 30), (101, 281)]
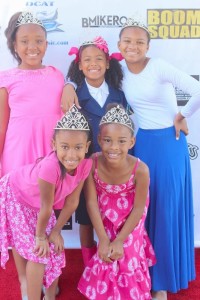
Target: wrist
[(104, 239), (179, 116), (41, 238), (119, 239), (56, 230)]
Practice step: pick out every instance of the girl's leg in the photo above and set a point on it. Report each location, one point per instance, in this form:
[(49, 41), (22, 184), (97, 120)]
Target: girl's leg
[(20, 264), (86, 235), (159, 295), (34, 275), (88, 245), (50, 293)]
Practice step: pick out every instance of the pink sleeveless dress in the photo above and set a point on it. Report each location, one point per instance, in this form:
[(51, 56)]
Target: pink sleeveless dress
[(34, 101), (127, 278)]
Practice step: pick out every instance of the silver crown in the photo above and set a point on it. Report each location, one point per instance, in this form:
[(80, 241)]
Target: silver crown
[(28, 18), (73, 120), (130, 22), (98, 42), (117, 115)]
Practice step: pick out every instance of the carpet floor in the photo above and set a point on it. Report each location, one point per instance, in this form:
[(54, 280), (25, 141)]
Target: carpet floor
[(9, 286)]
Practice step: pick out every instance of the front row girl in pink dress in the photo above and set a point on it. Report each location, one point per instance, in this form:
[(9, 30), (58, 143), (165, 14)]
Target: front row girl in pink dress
[(117, 201), (28, 197)]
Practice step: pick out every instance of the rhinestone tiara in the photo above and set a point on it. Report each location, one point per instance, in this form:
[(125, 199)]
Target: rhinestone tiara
[(73, 120), (131, 22), (28, 18), (117, 115), (99, 42)]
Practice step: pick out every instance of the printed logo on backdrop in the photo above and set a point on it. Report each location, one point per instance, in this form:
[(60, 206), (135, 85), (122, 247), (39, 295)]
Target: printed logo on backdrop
[(104, 21), (174, 23), (50, 19), (193, 151), (162, 23), (182, 97)]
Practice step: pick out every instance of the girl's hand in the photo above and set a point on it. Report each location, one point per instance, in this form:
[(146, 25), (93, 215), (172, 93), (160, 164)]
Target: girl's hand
[(69, 98), (116, 250), (180, 124), (41, 247), (56, 238), (104, 250)]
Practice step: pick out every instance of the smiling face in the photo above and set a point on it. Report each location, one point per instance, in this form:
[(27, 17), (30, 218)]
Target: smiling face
[(30, 45), (93, 64), (115, 140), (71, 147), (133, 44)]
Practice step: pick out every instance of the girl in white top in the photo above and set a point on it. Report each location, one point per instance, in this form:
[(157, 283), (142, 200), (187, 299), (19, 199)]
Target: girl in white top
[(149, 89)]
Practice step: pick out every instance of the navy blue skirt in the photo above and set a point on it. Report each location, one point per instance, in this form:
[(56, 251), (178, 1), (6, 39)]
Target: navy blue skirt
[(170, 217)]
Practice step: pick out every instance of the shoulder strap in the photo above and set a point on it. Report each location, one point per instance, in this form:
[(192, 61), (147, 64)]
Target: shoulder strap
[(96, 160), (136, 166)]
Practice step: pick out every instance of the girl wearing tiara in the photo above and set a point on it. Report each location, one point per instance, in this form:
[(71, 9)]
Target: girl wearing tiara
[(29, 196), (29, 99), (29, 95), (117, 201), (149, 86), (98, 78)]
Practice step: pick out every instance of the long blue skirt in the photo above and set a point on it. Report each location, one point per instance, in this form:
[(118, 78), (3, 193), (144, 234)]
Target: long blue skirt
[(170, 217)]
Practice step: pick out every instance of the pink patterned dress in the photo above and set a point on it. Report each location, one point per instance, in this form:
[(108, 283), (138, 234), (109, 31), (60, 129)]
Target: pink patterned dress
[(17, 229), (20, 205), (127, 278)]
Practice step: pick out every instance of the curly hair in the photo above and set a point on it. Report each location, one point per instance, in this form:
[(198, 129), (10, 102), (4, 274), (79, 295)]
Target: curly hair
[(113, 75)]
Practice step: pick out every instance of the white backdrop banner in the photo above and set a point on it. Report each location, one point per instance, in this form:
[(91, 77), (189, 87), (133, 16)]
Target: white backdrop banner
[(175, 32)]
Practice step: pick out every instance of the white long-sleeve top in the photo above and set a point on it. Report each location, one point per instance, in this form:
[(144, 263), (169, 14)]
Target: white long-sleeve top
[(151, 93)]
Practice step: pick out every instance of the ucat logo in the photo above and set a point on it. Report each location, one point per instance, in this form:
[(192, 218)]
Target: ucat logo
[(174, 23), (49, 18), (193, 151), (104, 21), (40, 3)]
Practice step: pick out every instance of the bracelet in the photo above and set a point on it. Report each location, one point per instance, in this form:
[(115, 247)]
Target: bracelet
[(40, 238)]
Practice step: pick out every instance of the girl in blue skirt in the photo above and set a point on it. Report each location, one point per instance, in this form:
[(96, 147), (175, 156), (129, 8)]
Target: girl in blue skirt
[(161, 143)]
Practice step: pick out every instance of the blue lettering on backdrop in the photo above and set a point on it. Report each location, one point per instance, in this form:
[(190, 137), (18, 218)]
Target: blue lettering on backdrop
[(40, 3)]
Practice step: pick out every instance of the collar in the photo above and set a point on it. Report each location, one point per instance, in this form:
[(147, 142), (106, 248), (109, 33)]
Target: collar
[(93, 90)]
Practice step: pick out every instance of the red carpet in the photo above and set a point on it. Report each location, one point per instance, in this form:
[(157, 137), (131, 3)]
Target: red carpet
[(9, 287)]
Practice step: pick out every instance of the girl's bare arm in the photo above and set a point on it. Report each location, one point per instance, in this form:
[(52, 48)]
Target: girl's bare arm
[(4, 117)]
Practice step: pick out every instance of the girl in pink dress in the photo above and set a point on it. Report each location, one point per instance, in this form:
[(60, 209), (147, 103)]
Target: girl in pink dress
[(29, 95), (29, 196), (117, 201)]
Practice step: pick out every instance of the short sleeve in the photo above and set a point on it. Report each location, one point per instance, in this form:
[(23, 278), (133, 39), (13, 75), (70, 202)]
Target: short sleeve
[(5, 80), (85, 168), (49, 171)]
